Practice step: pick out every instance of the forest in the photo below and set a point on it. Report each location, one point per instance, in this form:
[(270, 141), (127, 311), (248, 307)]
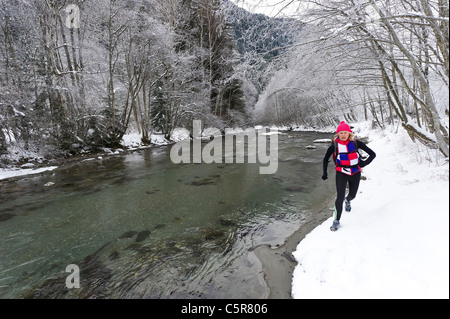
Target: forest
[(76, 75)]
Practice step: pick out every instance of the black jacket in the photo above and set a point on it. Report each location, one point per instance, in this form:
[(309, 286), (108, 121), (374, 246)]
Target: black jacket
[(360, 145)]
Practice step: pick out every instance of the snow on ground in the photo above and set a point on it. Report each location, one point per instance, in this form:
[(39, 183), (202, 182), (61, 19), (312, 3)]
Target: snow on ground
[(395, 241), (9, 173), (131, 141)]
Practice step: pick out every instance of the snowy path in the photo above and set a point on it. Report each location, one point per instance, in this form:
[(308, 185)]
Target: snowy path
[(395, 241)]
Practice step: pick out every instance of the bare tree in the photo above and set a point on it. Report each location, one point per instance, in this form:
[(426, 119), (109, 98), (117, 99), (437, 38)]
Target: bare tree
[(408, 44)]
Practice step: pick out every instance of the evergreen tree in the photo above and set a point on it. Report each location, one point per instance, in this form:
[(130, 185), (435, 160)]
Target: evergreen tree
[(160, 115)]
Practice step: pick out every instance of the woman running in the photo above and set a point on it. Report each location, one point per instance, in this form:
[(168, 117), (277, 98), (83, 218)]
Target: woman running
[(344, 149)]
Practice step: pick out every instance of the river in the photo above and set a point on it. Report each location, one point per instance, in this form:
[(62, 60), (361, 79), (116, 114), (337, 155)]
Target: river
[(137, 225)]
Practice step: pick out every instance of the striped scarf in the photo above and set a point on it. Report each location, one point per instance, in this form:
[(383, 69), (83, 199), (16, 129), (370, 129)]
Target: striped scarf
[(347, 157)]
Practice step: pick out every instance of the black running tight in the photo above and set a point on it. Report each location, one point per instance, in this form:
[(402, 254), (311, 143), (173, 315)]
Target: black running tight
[(341, 184)]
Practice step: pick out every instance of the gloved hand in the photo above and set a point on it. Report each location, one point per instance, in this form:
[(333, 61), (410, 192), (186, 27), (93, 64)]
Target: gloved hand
[(325, 176), (362, 164)]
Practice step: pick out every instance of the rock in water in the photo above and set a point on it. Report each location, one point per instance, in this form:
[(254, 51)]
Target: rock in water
[(5, 216), (128, 234), (142, 235)]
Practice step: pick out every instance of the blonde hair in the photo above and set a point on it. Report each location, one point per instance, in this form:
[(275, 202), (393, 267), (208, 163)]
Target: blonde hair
[(351, 137)]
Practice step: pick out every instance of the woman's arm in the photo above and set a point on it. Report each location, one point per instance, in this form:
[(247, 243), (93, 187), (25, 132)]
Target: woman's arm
[(369, 151), (326, 159)]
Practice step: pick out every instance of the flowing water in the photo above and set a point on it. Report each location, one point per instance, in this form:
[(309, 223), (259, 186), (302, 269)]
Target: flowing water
[(139, 226)]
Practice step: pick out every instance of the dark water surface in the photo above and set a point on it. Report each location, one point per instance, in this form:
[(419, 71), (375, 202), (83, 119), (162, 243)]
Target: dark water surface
[(139, 226)]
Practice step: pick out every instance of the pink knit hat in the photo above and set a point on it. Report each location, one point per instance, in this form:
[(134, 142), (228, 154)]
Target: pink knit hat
[(343, 127)]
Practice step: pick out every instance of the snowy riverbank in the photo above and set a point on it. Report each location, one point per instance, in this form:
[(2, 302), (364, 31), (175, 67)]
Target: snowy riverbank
[(130, 142), (395, 241)]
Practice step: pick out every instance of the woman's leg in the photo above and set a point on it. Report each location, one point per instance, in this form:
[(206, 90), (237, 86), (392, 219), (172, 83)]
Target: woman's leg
[(341, 183), (353, 184)]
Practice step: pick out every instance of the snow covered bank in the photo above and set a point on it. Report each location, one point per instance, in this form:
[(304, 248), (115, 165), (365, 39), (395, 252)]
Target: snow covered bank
[(131, 141), (9, 173), (395, 241)]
